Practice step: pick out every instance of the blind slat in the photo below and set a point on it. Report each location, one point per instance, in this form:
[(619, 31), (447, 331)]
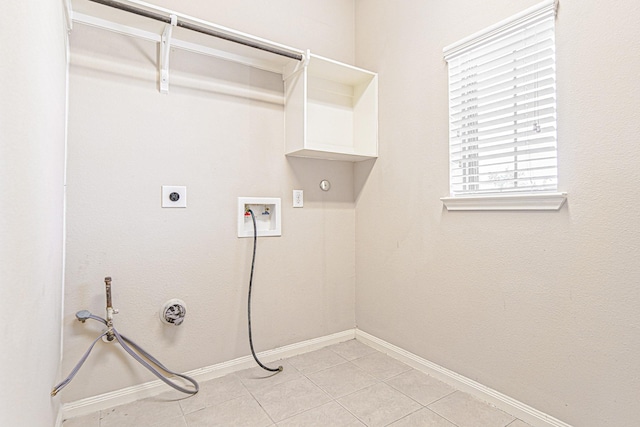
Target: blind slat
[(503, 162), (503, 50), (530, 89), (551, 168), (469, 68), (502, 113), (483, 133), (513, 80), (540, 94), (498, 143), (520, 110), (528, 151), (539, 59), (502, 119)]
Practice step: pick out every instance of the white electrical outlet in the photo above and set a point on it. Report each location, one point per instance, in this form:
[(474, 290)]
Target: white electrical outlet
[(298, 198), (174, 196)]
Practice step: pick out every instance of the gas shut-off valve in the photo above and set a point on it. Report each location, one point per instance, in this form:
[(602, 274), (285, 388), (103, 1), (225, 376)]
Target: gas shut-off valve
[(173, 312)]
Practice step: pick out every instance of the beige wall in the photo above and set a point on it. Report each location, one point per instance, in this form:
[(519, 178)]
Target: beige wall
[(32, 144), (539, 306), (542, 307), (126, 140), (325, 27)]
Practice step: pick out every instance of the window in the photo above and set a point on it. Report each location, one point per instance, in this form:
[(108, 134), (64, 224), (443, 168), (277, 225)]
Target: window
[(502, 108)]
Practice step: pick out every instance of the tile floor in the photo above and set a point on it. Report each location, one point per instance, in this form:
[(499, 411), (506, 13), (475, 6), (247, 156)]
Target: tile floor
[(346, 384)]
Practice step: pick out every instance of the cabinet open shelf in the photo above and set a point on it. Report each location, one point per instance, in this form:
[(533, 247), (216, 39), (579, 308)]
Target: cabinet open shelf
[(331, 111)]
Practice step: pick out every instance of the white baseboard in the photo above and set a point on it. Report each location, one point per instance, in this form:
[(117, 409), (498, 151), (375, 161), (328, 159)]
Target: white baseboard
[(512, 406), (153, 388), (130, 394)]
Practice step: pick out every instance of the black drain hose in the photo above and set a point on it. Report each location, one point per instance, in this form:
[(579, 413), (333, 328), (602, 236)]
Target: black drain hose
[(253, 262)]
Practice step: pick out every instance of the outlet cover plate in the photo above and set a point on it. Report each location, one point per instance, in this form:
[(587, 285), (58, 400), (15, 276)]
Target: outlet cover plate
[(174, 196), (298, 198)]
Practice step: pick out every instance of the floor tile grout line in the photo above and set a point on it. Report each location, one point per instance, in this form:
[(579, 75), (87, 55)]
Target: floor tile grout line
[(405, 416), (217, 403), (263, 410), (438, 413), (354, 391), (180, 406), (298, 413), (445, 396), (335, 399), (230, 400), (304, 374), (364, 388), (442, 416), (354, 415), (324, 369), (355, 358), (254, 397), (404, 394), (420, 403)]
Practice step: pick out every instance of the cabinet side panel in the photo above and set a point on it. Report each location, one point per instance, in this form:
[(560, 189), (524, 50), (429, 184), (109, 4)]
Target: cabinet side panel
[(294, 113), (365, 118)]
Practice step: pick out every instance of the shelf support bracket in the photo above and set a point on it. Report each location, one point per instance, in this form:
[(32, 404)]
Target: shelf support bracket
[(307, 58), (299, 66), (165, 48)]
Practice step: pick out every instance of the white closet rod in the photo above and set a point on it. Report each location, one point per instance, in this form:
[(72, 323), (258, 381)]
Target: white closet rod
[(200, 29)]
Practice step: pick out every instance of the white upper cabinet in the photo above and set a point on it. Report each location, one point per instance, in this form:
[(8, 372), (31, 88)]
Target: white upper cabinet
[(331, 110)]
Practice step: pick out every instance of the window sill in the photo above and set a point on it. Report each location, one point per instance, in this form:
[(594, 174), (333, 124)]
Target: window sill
[(506, 202)]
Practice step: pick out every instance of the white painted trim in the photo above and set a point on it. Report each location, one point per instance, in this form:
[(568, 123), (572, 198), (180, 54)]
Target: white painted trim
[(512, 406), (94, 21), (130, 394), (463, 45), (275, 66), (68, 14), (59, 418), (153, 388), (177, 79), (506, 202)]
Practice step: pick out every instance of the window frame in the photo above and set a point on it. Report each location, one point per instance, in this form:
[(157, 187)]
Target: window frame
[(512, 199)]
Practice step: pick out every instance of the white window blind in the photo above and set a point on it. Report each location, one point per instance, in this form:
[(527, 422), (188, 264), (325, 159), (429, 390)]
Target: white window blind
[(502, 107)]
